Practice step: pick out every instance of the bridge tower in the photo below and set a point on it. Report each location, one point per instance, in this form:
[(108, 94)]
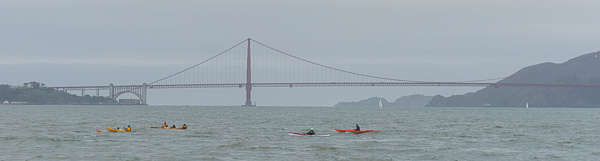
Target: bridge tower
[(144, 87), (248, 79)]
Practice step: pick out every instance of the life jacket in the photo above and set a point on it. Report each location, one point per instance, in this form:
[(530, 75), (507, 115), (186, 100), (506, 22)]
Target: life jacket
[(128, 129), (184, 127)]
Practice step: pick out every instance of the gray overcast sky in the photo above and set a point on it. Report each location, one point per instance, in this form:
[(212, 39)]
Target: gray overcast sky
[(56, 42)]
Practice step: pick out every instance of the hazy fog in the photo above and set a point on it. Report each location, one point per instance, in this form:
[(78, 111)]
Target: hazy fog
[(134, 42)]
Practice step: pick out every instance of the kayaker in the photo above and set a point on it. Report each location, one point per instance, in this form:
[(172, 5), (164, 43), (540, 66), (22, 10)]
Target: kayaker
[(173, 126), (128, 128), (311, 132), (357, 128), (183, 126), (117, 127), (165, 125)]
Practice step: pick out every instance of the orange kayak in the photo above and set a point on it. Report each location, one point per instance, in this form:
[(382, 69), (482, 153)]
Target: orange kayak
[(354, 131)]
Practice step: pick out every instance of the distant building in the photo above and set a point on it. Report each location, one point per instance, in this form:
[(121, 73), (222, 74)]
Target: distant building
[(129, 101)]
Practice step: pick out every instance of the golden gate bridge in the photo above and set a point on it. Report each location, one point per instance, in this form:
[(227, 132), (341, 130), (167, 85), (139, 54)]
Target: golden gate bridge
[(251, 64)]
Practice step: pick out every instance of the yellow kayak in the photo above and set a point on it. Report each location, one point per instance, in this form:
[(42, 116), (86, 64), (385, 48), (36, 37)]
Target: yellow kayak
[(179, 128), (115, 130), (155, 127)]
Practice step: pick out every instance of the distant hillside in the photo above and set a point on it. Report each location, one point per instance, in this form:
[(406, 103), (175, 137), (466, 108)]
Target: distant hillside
[(584, 69), (46, 96), (417, 100), (404, 101)]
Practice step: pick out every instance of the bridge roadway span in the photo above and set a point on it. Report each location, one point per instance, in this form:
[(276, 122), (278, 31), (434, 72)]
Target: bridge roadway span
[(140, 90), (333, 84)]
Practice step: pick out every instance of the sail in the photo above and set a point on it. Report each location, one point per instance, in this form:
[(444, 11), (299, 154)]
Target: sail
[(526, 104), (380, 105)]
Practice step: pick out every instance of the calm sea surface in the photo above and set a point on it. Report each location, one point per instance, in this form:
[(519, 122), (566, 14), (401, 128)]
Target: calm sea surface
[(260, 133)]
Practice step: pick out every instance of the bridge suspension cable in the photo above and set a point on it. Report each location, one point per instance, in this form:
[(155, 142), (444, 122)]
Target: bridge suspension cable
[(197, 64), (271, 65), (332, 68)]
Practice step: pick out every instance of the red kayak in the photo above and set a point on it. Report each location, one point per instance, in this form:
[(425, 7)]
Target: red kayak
[(352, 130)]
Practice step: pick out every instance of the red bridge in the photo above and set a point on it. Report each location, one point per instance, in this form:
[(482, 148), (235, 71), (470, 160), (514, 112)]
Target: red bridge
[(274, 68)]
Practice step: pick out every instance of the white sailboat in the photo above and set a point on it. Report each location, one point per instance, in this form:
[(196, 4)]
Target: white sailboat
[(380, 106), (526, 104)]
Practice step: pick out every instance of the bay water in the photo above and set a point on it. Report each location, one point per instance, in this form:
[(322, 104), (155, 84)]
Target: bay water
[(68, 132)]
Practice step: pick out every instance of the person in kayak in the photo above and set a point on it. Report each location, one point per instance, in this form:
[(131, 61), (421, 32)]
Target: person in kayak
[(357, 128), (117, 127), (165, 125), (128, 128), (311, 132), (173, 126), (183, 126)]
